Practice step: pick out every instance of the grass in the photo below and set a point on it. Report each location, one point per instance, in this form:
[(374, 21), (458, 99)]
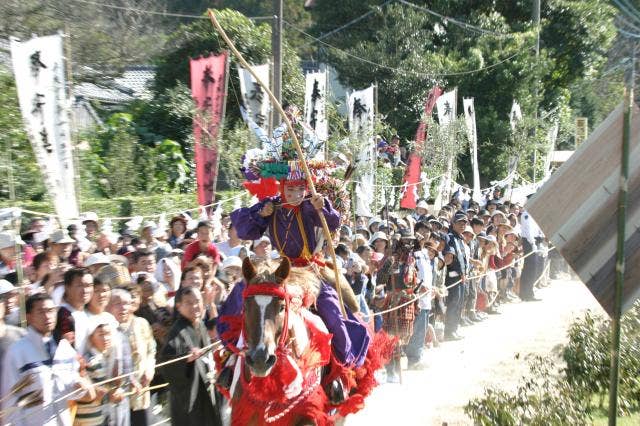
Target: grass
[(601, 419)]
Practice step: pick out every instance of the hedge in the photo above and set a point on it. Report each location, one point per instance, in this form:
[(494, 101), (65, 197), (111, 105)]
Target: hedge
[(132, 205)]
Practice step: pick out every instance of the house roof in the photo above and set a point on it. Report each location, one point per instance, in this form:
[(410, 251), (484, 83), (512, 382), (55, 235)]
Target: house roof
[(109, 95), (138, 79)]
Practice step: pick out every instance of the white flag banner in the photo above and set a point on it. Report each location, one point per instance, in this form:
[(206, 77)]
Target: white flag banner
[(361, 110), (552, 136), (315, 104), (515, 116), (470, 121), (254, 98), (446, 105), (39, 70)]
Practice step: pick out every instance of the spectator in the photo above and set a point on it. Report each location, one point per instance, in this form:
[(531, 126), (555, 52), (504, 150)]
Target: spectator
[(105, 359), (8, 333), (8, 243), (139, 337), (203, 245), (72, 318), (193, 401), (177, 228), (34, 355)]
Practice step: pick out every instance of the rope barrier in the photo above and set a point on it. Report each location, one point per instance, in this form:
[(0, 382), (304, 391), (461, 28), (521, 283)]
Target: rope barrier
[(215, 345), (420, 296), (235, 197)]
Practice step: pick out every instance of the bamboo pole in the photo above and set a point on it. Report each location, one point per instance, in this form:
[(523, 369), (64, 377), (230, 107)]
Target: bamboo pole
[(296, 143), (620, 249)]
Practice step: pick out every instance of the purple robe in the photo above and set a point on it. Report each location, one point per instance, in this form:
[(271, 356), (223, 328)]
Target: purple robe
[(251, 226), (350, 336)]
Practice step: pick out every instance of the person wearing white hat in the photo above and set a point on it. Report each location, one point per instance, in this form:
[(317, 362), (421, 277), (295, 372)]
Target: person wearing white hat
[(61, 244), (379, 242), (9, 297), (149, 235), (96, 261), (8, 242), (232, 269), (90, 222), (261, 249), (101, 354), (8, 333), (422, 210)]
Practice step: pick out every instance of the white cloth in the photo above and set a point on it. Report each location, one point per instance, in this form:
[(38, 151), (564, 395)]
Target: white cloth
[(56, 378), (530, 229), (425, 277), (227, 250)]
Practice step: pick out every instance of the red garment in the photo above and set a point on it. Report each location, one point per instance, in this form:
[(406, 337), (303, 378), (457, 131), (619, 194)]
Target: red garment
[(193, 250)]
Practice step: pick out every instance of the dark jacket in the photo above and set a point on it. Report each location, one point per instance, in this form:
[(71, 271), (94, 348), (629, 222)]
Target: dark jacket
[(192, 399)]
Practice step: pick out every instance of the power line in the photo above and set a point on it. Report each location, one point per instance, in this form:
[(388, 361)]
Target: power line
[(420, 74), (153, 12), (353, 21), (630, 13), (454, 21)]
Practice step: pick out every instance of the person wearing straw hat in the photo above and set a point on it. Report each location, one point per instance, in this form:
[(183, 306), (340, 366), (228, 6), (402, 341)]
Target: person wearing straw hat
[(52, 366)]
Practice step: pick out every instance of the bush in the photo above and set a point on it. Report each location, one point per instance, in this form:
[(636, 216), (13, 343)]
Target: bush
[(588, 359), (577, 392), (543, 398)]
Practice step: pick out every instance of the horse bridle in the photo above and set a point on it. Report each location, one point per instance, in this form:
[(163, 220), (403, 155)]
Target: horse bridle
[(274, 290)]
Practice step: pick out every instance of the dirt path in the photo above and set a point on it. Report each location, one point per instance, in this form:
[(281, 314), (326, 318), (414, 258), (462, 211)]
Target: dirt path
[(459, 371)]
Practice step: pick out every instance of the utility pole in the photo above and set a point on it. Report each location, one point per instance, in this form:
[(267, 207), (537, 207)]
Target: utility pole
[(276, 48), (536, 20)]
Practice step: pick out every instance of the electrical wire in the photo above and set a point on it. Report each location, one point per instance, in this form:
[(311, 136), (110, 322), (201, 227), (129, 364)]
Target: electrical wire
[(154, 12), (454, 21), (417, 73), (353, 21), (630, 13)]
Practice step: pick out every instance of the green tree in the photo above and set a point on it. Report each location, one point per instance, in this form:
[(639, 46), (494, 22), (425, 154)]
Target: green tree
[(408, 50), (20, 172)]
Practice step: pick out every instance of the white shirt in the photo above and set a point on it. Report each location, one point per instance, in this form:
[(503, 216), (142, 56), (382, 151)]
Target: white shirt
[(55, 377), (425, 276)]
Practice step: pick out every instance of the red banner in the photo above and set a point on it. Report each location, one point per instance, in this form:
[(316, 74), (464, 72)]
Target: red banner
[(209, 90), (412, 173)]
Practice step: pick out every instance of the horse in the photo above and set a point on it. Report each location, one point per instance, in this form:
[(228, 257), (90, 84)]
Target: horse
[(281, 353)]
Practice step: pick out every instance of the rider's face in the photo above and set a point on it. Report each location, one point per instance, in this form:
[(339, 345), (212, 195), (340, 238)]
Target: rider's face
[(294, 193)]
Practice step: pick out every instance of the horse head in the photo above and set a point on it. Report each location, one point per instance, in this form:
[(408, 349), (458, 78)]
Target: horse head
[(265, 315)]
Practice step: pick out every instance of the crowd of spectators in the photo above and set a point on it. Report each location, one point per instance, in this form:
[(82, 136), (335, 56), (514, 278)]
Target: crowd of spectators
[(100, 305)]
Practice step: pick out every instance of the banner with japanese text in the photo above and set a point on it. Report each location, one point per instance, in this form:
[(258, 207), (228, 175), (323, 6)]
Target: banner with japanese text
[(209, 89), (39, 70), (361, 116), (447, 112), (470, 121), (255, 100), (315, 104), (552, 136), (412, 174)]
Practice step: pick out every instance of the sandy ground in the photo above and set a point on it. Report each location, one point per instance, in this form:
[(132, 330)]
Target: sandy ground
[(493, 353)]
